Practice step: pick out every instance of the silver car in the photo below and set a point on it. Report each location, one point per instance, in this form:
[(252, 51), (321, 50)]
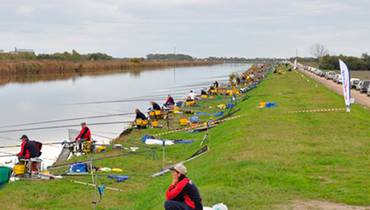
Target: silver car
[(354, 82), (329, 75), (359, 85), (365, 86)]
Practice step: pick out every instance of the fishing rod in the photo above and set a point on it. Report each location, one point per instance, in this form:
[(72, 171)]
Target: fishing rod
[(69, 119), (95, 159), (61, 126), (133, 99), (8, 153)]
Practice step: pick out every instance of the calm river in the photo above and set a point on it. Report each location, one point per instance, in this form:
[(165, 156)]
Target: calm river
[(32, 108)]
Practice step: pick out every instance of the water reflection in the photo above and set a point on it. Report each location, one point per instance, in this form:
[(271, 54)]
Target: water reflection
[(48, 97)]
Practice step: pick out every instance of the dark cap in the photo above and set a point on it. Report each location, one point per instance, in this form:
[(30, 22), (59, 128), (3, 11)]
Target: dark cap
[(24, 137)]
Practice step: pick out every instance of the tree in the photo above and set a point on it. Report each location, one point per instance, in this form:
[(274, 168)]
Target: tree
[(319, 50)]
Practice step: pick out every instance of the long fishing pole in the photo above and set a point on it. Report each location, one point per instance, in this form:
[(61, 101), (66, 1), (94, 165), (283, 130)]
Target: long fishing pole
[(61, 126), (133, 99), (101, 158), (8, 153), (69, 119)]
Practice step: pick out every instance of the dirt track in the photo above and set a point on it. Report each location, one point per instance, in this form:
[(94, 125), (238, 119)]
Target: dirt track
[(362, 99)]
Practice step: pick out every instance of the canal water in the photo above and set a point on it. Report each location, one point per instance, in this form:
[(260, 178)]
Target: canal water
[(46, 110)]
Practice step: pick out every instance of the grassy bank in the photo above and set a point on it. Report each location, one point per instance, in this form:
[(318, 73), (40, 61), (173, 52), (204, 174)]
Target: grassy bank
[(262, 160)]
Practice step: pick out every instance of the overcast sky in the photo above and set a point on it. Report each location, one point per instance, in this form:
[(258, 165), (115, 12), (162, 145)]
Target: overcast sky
[(202, 28)]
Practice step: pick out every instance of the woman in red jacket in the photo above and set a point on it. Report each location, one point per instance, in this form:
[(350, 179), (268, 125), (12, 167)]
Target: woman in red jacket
[(182, 194)]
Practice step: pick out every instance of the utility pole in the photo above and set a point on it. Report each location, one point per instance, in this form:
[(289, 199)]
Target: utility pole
[(296, 53), (174, 68)]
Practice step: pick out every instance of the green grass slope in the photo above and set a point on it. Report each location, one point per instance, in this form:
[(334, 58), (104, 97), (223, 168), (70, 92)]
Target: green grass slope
[(262, 160)]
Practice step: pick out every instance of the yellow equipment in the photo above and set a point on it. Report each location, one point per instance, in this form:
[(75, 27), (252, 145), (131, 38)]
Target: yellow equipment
[(117, 170), (19, 169), (154, 123), (204, 96), (262, 104), (151, 113), (221, 106), (213, 91), (140, 122), (190, 103), (100, 149), (184, 121), (86, 147)]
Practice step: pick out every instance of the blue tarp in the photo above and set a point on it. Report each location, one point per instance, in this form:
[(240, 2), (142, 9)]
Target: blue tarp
[(216, 114), (118, 178), (78, 168)]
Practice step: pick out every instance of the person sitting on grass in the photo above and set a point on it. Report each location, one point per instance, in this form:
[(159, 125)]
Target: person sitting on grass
[(191, 96), (140, 115), (182, 194), (29, 150), (203, 93), (84, 135), (155, 106), (169, 101), (212, 90)]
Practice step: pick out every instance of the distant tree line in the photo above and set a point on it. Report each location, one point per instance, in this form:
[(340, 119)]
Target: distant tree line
[(64, 56), (323, 60), (353, 63), (331, 62), (169, 57), (244, 60)]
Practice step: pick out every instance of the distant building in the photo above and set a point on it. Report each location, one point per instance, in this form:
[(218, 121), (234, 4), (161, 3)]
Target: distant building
[(17, 50)]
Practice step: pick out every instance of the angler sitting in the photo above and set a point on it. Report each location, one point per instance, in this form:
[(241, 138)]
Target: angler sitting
[(83, 136), (212, 90), (182, 194), (30, 150), (191, 96), (141, 120), (203, 92), (155, 106), (170, 102)]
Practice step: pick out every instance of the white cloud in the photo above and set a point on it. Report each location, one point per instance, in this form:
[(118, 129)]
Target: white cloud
[(198, 27)]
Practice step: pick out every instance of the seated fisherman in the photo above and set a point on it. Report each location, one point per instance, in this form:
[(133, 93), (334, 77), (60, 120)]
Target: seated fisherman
[(203, 93), (29, 150), (191, 96), (211, 90), (155, 106), (84, 135), (215, 84), (169, 101), (140, 115), (182, 194)]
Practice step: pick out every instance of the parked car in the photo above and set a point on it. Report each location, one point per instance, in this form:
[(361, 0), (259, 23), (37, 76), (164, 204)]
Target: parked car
[(365, 86), (329, 75), (359, 84), (354, 82), (336, 78), (339, 79), (321, 73)]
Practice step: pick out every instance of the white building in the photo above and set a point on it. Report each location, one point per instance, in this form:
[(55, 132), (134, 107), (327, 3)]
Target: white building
[(17, 50)]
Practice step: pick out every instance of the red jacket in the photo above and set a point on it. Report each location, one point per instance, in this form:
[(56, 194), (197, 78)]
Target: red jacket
[(185, 191), (24, 151), (84, 134)]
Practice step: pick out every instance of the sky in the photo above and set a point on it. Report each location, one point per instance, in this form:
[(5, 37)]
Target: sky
[(201, 28)]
